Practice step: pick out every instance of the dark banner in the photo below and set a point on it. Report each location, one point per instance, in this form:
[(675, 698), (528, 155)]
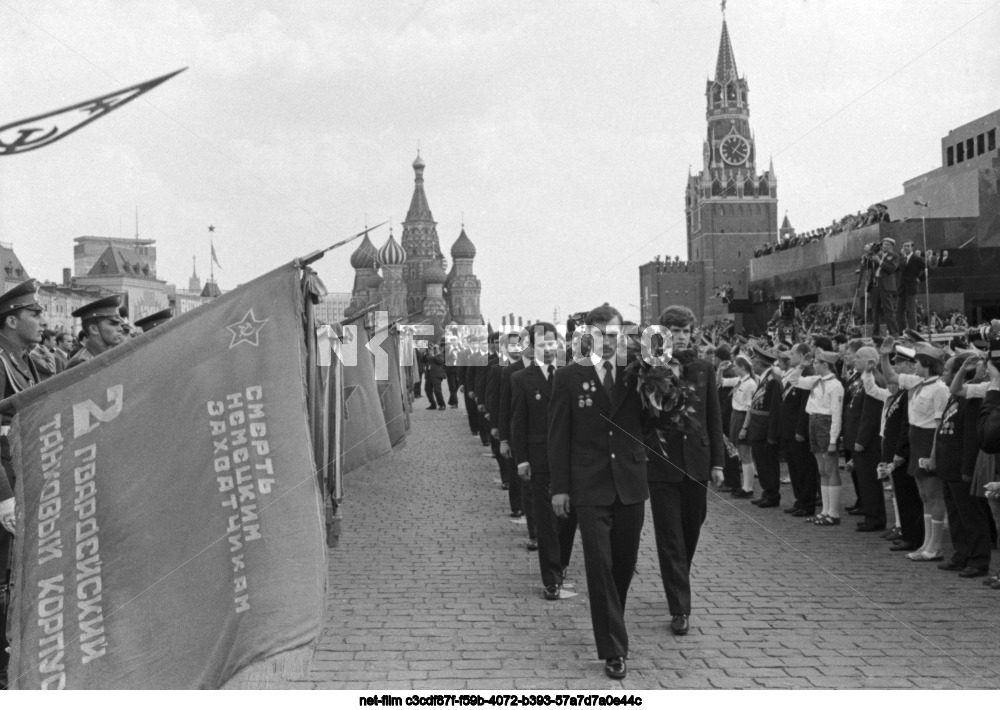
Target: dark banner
[(169, 522)]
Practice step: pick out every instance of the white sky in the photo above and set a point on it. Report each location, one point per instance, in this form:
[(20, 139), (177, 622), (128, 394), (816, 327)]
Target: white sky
[(562, 130)]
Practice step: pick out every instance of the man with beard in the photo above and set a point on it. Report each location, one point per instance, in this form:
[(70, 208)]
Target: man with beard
[(21, 330), (103, 325), (680, 468)]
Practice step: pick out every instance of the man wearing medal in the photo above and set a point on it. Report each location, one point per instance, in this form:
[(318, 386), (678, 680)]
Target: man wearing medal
[(597, 461)]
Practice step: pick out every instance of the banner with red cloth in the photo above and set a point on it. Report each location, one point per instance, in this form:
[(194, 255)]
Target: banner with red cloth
[(169, 516)]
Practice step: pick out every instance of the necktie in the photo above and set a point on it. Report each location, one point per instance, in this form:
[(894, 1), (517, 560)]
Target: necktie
[(609, 381), (550, 369)]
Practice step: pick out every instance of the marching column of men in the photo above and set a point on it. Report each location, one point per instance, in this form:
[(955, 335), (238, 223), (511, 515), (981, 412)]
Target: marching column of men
[(30, 354), (574, 433)]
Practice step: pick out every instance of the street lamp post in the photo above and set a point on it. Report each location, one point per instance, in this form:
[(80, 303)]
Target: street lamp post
[(927, 276)]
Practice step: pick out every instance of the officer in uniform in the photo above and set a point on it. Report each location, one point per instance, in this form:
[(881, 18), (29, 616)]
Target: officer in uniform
[(21, 330), (158, 318), (103, 326)]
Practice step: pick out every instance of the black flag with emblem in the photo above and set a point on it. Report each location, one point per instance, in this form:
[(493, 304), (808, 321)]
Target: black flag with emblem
[(39, 131)]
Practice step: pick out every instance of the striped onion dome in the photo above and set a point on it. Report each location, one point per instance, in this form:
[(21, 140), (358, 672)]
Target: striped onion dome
[(364, 256), (391, 254), (463, 248)]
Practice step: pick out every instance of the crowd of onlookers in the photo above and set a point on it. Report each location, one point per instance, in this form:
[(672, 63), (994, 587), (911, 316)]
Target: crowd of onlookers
[(876, 416), (874, 214)]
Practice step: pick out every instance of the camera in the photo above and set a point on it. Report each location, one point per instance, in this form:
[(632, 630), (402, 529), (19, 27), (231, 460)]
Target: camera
[(987, 337)]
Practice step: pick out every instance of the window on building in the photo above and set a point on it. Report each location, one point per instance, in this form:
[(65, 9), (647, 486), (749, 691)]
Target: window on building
[(970, 148), (716, 188), (748, 188), (950, 155), (991, 139), (960, 153), (980, 144)]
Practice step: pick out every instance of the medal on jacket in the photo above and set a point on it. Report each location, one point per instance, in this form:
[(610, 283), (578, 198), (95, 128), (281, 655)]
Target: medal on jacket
[(586, 387), (590, 402), (538, 395)]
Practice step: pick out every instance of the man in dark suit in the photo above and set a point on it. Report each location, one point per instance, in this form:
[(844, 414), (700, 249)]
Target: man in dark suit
[(434, 375), (680, 469), (762, 429), (451, 351), (885, 263), (530, 394), (509, 480), (793, 437), (911, 268), (518, 357), (487, 357), (598, 465), (722, 358), (474, 360), (868, 450)]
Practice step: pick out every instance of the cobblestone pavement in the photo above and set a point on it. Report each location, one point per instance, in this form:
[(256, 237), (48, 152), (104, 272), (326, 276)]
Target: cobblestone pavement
[(432, 587)]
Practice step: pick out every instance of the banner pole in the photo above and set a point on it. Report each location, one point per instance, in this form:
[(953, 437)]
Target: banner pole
[(338, 435)]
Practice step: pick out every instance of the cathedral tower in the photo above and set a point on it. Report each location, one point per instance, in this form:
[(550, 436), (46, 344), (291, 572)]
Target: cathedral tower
[(392, 292), (732, 204), (419, 241), (463, 286), (366, 278)]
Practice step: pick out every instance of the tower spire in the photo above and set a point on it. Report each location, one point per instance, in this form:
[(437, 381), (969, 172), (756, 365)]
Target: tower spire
[(725, 65)]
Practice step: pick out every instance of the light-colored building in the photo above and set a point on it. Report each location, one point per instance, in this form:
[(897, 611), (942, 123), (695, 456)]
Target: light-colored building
[(129, 270), (331, 307), (88, 249)]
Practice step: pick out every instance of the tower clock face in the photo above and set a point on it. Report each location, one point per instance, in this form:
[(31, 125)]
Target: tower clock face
[(735, 150)]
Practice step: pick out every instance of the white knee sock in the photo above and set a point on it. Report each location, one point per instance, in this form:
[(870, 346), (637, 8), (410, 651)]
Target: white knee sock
[(895, 511), (748, 472), (834, 505), (824, 493), (927, 532)]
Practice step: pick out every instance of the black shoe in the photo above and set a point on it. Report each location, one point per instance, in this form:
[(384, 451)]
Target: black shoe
[(803, 513), (950, 566), (454, 406), (516, 514), (855, 511), (532, 545), (793, 510), (740, 493), (904, 546), (726, 489), (679, 625), (769, 503), (991, 580), (970, 572), (432, 407), (615, 668), (504, 486), (552, 592), (894, 534), (870, 527)]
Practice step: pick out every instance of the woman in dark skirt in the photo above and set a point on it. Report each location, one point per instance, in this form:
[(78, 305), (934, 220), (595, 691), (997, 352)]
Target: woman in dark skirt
[(927, 398)]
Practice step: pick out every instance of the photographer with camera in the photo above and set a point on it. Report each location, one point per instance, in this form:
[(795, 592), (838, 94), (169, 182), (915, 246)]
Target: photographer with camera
[(883, 261)]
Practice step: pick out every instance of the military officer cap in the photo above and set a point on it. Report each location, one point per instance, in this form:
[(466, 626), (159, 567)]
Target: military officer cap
[(890, 240), (106, 307), (764, 354), (21, 296), (827, 356), (158, 318), (928, 350)]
